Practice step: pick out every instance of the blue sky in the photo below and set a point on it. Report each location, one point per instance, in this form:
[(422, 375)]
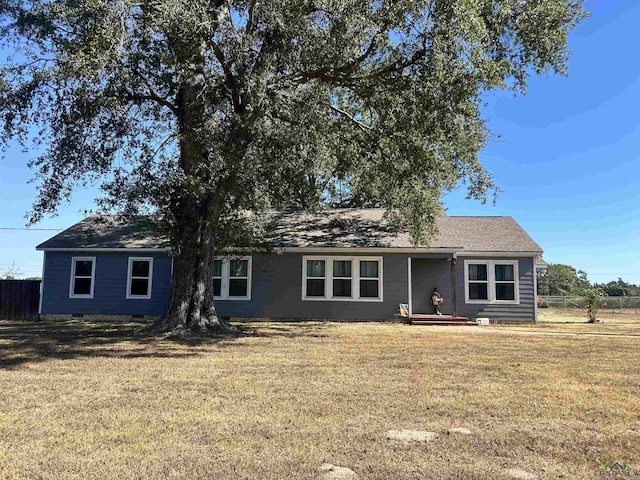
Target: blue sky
[(567, 156)]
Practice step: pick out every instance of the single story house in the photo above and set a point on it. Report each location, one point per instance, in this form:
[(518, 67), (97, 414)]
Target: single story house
[(337, 264)]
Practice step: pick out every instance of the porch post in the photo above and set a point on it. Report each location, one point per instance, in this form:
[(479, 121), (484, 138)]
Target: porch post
[(409, 282), (454, 301)]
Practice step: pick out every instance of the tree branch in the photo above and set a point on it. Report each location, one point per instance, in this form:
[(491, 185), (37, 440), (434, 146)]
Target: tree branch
[(365, 128), (391, 68), (250, 20), (151, 96), (331, 74), (230, 79)]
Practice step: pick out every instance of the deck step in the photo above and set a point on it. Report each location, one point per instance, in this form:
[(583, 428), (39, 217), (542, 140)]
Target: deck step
[(443, 322), (430, 319)]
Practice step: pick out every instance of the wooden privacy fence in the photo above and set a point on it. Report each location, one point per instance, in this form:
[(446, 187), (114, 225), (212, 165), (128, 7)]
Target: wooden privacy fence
[(19, 299)]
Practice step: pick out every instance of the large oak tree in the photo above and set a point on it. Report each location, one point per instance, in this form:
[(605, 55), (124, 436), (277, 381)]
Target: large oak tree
[(199, 110)]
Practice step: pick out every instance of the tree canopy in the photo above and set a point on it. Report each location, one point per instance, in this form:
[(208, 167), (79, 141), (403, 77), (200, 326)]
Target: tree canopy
[(564, 280), (199, 110), (561, 280), (619, 288)]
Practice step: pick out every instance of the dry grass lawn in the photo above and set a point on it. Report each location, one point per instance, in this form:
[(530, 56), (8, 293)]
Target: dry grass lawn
[(90, 401), (576, 315), (573, 321)]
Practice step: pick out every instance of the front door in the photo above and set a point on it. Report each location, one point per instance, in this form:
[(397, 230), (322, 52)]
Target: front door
[(427, 274)]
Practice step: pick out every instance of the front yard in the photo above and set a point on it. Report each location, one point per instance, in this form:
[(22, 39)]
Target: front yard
[(90, 401)]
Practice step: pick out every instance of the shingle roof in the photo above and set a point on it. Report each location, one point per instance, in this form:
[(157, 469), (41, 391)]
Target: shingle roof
[(108, 232), (486, 234), (346, 228)]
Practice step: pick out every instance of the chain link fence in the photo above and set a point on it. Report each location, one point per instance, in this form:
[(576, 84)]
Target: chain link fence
[(614, 304)]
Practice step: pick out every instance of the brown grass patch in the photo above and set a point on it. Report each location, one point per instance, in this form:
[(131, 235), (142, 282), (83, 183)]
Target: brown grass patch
[(575, 315), (89, 401)]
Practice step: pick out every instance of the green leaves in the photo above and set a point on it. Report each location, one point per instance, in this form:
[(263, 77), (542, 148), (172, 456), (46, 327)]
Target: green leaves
[(558, 279), (234, 105)]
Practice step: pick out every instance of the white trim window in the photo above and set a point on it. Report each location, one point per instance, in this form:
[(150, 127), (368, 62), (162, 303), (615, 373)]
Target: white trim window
[(491, 281), (217, 278), (83, 275), (315, 278), (139, 277), (342, 278), (370, 278), (232, 278)]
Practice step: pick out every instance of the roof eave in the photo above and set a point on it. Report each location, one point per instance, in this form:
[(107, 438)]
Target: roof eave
[(458, 250), (502, 253), (104, 249), (377, 249)]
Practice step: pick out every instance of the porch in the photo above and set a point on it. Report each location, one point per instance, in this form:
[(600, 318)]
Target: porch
[(426, 274)]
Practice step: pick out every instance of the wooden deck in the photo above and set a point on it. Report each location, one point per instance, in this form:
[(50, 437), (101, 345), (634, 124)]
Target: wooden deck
[(431, 319)]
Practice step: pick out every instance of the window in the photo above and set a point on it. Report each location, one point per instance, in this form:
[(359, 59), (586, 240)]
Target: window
[(82, 277), (139, 277), (491, 281), (369, 279), (238, 278), (342, 278), (315, 278), (217, 278), (505, 282), (478, 281), (232, 278)]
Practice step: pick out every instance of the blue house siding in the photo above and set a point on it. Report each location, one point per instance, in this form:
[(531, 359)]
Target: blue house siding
[(110, 289), (276, 289)]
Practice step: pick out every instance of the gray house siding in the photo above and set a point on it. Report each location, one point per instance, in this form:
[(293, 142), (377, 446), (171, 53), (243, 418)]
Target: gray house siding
[(276, 292), (427, 274), (109, 294), (523, 311)]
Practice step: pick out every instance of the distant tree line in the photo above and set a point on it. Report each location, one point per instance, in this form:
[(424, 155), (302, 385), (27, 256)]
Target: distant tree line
[(619, 288), (564, 280)]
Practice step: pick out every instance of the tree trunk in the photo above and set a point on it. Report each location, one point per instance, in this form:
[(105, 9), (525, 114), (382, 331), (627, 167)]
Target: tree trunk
[(191, 306), (195, 204)]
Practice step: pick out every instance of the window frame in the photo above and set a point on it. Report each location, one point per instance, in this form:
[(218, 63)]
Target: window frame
[(130, 277), (74, 276), (344, 279), (218, 277), (468, 282), (369, 279), (491, 281), (306, 278), (355, 278), (226, 277)]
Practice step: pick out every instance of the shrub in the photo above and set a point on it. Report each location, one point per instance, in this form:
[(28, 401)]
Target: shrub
[(543, 303), (593, 300)]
